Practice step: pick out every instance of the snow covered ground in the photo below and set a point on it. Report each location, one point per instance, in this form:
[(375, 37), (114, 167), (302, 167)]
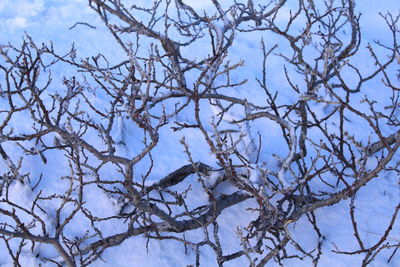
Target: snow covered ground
[(46, 20)]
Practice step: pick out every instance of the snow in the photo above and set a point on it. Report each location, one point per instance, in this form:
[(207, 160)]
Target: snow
[(48, 20)]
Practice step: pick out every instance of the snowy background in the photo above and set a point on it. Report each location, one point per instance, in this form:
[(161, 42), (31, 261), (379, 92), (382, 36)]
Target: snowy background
[(46, 20)]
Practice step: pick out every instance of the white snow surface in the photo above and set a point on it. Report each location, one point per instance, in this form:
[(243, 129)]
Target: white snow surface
[(46, 20)]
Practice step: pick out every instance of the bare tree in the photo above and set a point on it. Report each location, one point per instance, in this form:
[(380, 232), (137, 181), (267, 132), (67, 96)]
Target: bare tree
[(158, 83)]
